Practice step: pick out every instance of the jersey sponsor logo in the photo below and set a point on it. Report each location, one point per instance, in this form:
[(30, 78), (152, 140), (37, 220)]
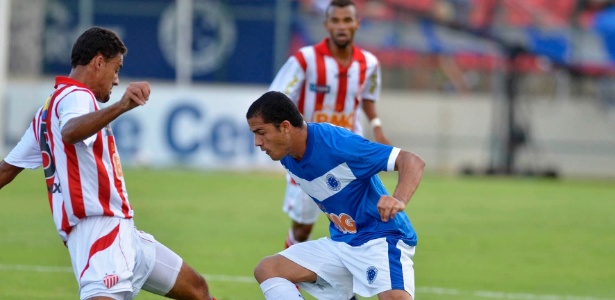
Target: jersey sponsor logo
[(372, 273), (111, 280), (54, 188), (343, 222), (333, 183), (320, 89), (290, 85), (337, 119)]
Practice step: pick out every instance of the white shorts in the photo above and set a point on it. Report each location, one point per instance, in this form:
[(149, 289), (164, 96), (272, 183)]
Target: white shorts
[(298, 205), (110, 257), (367, 270)]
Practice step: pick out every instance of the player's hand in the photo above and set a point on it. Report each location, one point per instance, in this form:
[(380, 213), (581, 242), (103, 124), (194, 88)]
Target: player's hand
[(388, 207), (137, 93)]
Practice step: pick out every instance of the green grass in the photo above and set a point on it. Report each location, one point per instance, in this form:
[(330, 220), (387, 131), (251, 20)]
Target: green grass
[(479, 238)]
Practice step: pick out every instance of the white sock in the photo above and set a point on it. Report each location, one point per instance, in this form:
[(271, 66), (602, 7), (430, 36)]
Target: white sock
[(278, 288)]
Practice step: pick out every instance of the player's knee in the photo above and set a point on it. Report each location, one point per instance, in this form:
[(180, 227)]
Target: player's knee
[(199, 289), (264, 269)]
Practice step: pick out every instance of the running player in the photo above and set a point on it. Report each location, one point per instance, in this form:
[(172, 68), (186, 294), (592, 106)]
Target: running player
[(329, 82), (372, 240), (71, 138)]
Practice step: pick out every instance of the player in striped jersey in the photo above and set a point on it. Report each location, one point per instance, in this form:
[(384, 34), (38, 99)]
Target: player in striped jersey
[(329, 82), (372, 240), (71, 139)]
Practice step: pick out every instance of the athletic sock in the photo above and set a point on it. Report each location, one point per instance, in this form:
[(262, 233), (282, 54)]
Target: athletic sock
[(278, 288), (290, 239)]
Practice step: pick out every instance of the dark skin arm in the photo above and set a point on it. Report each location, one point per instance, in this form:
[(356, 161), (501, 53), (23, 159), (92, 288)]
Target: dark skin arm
[(369, 107), (8, 172), (410, 171), (80, 128)]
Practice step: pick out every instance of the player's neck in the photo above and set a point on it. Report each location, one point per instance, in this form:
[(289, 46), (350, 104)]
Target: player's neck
[(300, 144), (342, 55)]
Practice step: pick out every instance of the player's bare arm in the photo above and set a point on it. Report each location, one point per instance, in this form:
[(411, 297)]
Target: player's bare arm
[(8, 172), (80, 128), (369, 107), (410, 171)]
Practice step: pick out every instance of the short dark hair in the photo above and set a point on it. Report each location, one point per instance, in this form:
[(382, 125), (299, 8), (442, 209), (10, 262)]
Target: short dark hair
[(94, 41), (339, 3), (274, 108)]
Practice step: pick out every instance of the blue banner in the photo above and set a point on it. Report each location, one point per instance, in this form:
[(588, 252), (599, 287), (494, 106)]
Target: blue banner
[(233, 41)]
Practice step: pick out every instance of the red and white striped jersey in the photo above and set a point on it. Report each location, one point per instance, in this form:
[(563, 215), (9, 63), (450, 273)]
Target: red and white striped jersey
[(83, 179), (325, 91)]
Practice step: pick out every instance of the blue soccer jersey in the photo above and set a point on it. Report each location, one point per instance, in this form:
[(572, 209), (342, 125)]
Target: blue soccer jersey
[(339, 170)]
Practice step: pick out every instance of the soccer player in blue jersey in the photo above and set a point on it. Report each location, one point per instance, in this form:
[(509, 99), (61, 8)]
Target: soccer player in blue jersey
[(372, 240)]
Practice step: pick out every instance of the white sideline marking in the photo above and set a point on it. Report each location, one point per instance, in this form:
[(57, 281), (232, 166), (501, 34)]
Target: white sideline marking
[(423, 290)]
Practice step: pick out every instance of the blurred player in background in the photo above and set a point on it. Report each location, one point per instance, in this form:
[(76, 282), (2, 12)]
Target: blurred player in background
[(372, 240), (71, 138), (329, 82)]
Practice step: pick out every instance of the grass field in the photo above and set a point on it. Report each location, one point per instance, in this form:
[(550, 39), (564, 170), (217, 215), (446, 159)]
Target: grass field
[(479, 238)]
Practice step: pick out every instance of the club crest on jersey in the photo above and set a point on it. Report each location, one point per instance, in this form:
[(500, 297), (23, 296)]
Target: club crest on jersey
[(321, 89), (333, 183), (111, 280), (371, 273)]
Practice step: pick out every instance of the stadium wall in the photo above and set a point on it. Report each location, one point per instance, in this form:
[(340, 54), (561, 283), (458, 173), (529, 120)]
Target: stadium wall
[(204, 127)]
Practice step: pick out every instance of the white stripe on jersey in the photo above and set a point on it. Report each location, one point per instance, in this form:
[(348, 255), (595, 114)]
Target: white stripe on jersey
[(328, 184)]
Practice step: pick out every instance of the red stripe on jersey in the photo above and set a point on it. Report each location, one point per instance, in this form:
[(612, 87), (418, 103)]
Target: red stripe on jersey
[(321, 80), (301, 60), (100, 245), (65, 225), (35, 126), (342, 86), (301, 102), (104, 189), (360, 57), (74, 181)]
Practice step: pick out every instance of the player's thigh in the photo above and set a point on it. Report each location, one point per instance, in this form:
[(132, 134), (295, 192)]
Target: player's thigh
[(189, 285), (380, 265), (165, 272), (394, 295), (103, 253), (321, 257)]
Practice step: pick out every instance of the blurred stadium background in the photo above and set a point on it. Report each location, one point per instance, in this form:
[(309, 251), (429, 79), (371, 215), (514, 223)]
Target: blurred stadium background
[(474, 86)]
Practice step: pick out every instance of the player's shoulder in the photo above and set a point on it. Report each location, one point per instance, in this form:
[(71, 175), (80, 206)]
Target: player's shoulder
[(305, 51), (370, 57), (330, 130)]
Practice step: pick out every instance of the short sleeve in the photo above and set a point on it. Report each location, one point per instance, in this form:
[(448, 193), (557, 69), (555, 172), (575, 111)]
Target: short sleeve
[(289, 79), (27, 153), (76, 104)]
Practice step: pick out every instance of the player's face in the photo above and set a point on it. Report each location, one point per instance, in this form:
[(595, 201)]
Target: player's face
[(342, 22), (107, 77), (269, 138)]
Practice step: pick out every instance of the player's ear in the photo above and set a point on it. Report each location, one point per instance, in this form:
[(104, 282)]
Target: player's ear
[(98, 61), (285, 126)]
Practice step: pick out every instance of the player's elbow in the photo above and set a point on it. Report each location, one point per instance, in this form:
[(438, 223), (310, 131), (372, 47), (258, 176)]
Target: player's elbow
[(411, 161)]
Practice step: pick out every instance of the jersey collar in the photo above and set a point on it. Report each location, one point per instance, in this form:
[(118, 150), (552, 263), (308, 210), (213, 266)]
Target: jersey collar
[(323, 48), (63, 80)]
